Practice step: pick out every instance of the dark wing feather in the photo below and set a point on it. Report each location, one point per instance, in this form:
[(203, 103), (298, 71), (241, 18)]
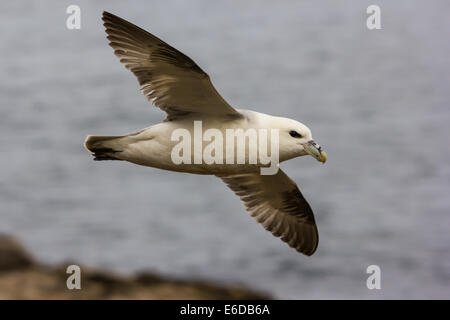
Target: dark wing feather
[(172, 80), (276, 202)]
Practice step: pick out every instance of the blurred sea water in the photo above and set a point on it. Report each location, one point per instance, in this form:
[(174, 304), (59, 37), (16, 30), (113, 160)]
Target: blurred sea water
[(377, 101)]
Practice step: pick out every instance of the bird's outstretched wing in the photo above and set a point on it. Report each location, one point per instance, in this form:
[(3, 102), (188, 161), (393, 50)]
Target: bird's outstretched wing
[(168, 77), (276, 202)]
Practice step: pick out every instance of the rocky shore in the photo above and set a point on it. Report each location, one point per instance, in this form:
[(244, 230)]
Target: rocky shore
[(22, 277)]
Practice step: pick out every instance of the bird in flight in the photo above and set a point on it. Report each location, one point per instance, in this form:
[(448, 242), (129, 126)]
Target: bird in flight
[(177, 85)]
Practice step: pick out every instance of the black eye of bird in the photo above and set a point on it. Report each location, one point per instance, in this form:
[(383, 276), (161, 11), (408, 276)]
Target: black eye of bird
[(295, 134)]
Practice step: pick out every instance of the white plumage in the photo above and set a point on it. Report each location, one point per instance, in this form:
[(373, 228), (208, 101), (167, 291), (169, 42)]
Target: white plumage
[(175, 84)]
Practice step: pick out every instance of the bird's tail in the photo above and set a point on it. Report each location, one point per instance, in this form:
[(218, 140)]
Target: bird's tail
[(105, 147)]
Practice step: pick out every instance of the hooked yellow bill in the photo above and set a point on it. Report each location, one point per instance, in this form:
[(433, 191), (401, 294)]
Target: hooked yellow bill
[(314, 150)]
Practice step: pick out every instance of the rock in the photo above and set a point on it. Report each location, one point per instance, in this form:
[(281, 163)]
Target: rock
[(22, 278), (12, 254)]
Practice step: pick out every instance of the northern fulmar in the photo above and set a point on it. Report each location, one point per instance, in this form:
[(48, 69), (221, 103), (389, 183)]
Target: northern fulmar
[(177, 85)]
